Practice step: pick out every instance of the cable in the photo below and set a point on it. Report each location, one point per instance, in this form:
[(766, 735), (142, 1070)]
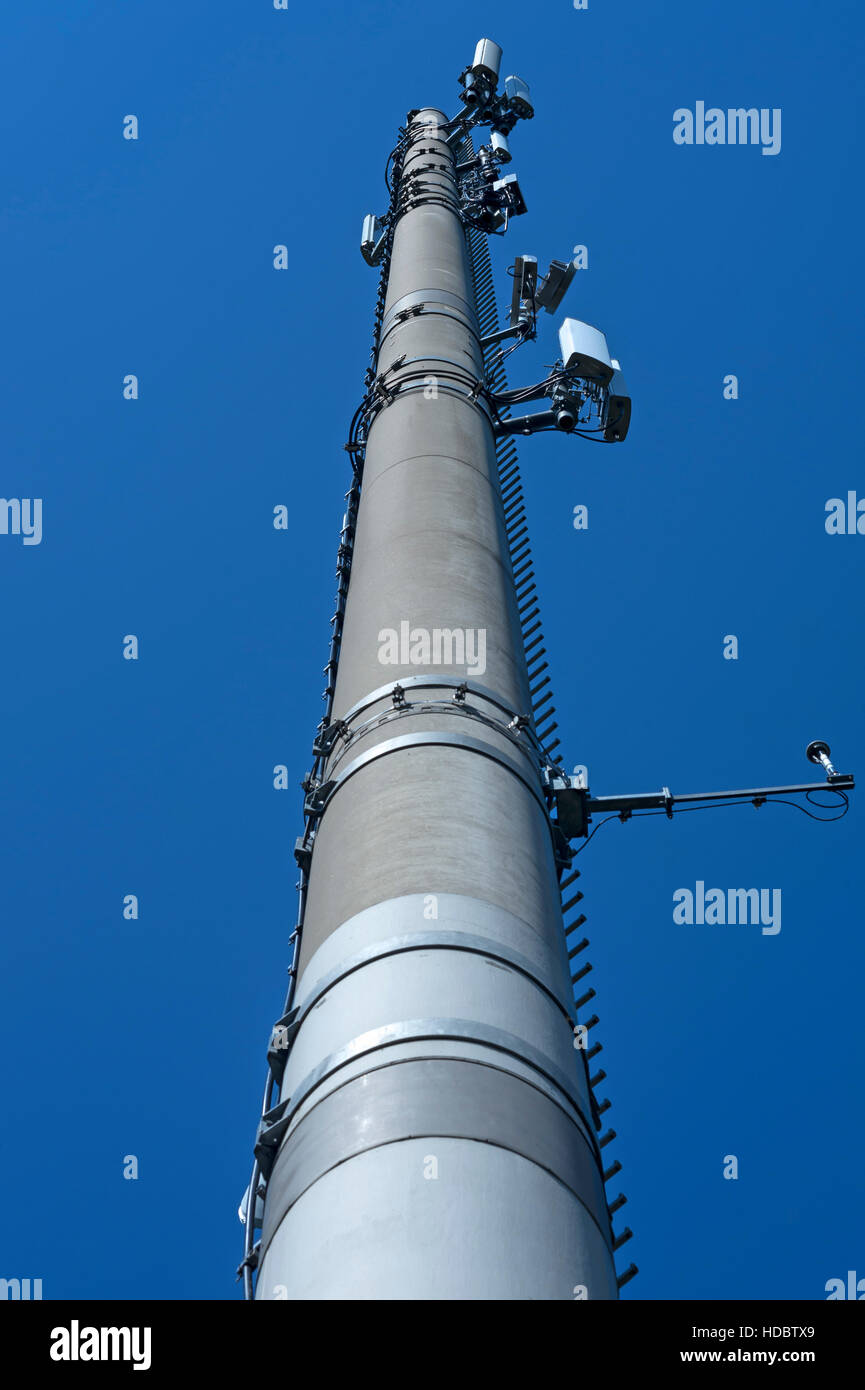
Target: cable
[(757, 802), (809, 798), (614, 816), (506, 352), (524, 393)]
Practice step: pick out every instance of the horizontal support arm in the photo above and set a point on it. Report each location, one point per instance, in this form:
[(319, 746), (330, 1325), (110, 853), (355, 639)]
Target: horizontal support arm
[(576, 807), (648, 801), (526, 424)]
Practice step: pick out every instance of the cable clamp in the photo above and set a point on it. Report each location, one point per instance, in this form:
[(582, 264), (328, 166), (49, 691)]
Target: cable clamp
[(410, 313)]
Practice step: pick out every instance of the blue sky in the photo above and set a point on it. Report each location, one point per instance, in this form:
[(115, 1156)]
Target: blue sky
[(154, 777)]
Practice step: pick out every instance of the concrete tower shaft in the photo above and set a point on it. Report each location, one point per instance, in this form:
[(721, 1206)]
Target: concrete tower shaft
[(439, 1139)]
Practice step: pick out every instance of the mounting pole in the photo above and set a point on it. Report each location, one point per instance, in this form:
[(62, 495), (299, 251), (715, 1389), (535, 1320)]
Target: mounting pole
[(434, 1136)]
